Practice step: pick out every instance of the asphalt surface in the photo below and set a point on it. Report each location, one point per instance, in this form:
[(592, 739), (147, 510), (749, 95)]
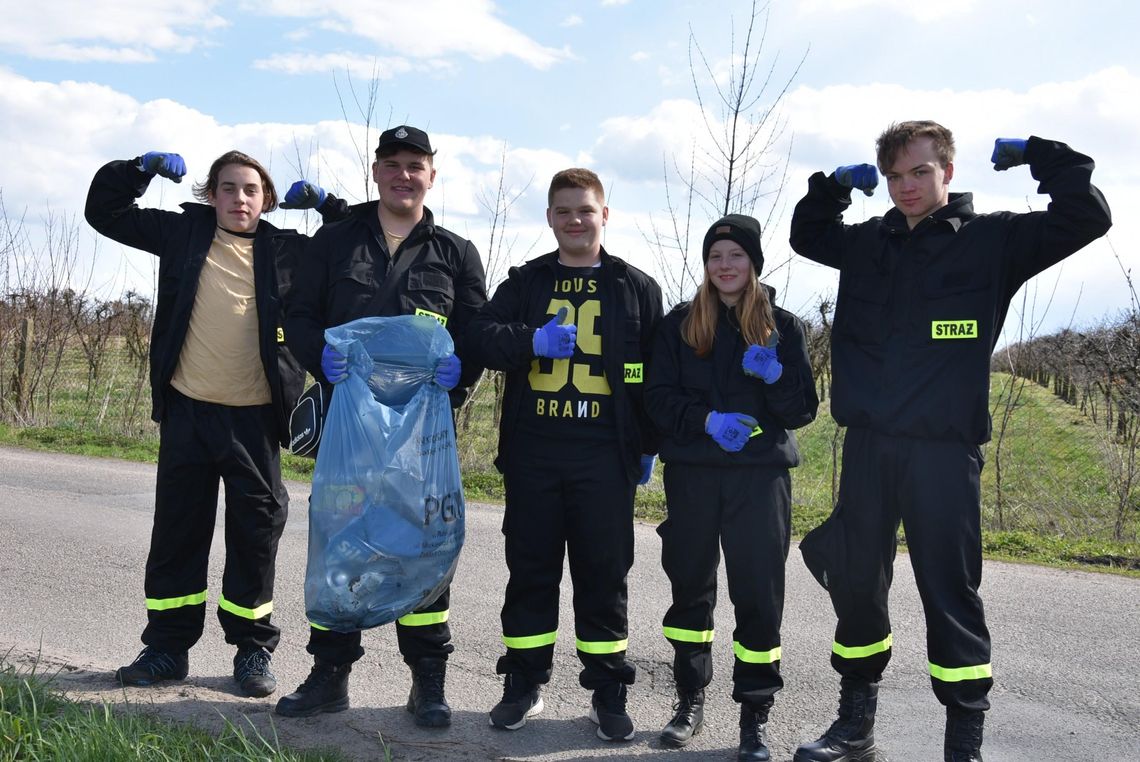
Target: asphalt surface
[(73, 538)]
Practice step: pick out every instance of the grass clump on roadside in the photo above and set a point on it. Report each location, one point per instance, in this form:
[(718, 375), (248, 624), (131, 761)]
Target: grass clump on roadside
[(38, 722)]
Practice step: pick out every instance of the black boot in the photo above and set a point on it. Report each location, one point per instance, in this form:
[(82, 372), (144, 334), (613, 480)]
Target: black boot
[(426, 701), (753, 734), (963, 735), (324, 690), (851, 738), (688, 718)]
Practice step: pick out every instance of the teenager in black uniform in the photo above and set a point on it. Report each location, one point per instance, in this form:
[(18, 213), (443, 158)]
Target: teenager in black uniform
[(221, 383), (730, 377), (345, 266), (923, 294), (572, 331)]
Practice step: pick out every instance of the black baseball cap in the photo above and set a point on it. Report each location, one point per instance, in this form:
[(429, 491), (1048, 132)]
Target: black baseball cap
[(410, 137)]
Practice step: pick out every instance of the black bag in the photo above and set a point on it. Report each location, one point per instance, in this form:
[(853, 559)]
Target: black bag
[(307, 420)]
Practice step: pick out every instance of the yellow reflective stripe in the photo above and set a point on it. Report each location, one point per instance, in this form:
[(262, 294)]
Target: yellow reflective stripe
[(280, 335), (433, 315), (423, 620), (531, 641), (634, 373), (688, 636), (316, 626), (602, 646), (958, 674), (861, 652), (755, 657), (165, 604), (264, 609), (755, 432)]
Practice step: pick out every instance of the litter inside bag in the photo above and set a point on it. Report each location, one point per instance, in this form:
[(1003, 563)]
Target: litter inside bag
[(386, 514)]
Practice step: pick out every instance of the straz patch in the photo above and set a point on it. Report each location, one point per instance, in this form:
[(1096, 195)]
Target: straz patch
[(433, 315), (280, 335), (634, 373), (954, 329)]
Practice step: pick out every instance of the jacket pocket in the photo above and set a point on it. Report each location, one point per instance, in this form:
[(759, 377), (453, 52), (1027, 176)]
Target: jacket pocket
[(861, 311), (430, 290), (955, 309)]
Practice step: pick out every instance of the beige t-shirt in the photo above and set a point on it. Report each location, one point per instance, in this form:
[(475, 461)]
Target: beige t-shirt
[(220, 360)]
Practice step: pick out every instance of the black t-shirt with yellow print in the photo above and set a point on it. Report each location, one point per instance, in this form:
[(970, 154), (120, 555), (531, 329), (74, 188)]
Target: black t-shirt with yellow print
[(572, 398)]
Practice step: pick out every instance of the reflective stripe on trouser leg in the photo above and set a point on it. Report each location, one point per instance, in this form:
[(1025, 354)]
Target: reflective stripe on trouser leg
[(257, 507), (425, 632), (690, 554), (599, 545), (186, 499), (869, 505), (943, 526)]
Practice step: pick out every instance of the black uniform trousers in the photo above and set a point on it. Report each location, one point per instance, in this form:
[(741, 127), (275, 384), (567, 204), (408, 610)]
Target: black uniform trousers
[(747, 512), (933, 487), (424, 633), (567, 500), (200, 443)]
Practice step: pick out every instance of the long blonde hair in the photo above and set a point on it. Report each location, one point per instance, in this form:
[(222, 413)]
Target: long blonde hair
[(753, 313)]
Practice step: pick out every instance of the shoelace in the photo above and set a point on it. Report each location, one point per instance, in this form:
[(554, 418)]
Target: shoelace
[(256, 663), (515, 690), (156, 662)]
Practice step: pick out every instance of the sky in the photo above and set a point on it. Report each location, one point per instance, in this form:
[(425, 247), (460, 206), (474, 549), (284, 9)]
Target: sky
[(513, 91)]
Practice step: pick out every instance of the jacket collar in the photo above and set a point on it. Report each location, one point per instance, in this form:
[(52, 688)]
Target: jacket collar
[(953, 216)]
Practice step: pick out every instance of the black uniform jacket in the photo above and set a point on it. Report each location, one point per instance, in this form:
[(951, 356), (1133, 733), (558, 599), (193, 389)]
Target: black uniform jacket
[(684, 388), (919, 311), (182, 241), (501, 337), (347, 261)]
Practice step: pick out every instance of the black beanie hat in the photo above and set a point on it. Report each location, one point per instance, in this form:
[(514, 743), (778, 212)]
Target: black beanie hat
[(740, 228)]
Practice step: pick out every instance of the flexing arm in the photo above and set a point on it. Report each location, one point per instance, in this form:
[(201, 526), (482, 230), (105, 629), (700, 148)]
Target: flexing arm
[(1077, 213), (818, 232), (112, 211)]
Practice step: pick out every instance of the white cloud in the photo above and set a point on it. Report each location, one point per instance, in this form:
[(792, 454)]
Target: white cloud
[(127, 31), (610, 3), (920, 11), (422, 29), (639, 56), (360, 66), (569, 21)]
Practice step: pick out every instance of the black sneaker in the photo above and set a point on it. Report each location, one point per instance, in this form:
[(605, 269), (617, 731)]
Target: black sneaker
[(521, 699), (152, 666), (607, 709), (251, 671), (324, 690)]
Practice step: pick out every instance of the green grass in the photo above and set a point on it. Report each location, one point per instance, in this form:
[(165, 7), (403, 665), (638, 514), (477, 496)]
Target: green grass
[(38, 723)]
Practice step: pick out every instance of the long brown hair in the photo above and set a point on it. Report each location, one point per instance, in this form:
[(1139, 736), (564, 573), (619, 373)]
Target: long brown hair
[(203, 189), (753, 313)]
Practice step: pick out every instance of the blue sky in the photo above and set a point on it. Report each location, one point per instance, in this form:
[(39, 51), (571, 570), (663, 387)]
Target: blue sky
[(536, 87)]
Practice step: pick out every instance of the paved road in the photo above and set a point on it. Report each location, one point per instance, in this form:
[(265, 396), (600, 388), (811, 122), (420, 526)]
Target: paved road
[(73, 537)]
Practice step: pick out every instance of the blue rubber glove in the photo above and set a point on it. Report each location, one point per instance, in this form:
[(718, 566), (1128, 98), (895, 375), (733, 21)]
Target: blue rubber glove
[(334, 365), (647, 462), (168, 165), (447, 371), (304, 195), (730, 430), (862, 177), (761, 362), (554, 339), (1008, 152)]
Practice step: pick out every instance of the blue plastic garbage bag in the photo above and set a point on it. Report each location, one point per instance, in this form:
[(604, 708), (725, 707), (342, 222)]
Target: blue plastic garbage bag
[(386, 514)]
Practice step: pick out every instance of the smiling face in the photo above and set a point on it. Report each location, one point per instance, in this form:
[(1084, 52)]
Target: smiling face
[(403, 180), (729, 270), (918, 183), (239, 199), (577, 216)]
